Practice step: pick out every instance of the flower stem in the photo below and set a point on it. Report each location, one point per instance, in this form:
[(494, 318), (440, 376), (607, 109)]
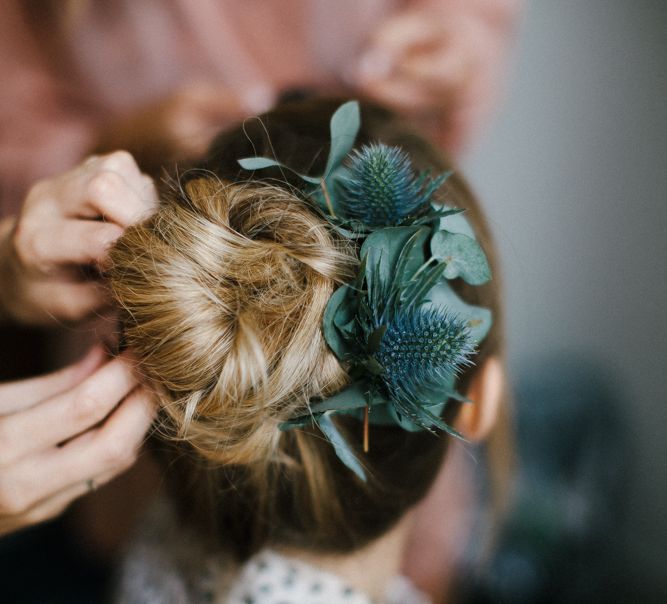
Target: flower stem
[(323, 186)]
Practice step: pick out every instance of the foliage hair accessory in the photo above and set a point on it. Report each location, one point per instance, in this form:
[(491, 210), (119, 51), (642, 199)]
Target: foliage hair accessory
[(399, 326)]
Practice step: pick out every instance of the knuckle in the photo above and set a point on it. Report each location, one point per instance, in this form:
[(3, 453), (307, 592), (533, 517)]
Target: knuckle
[(29, 247), (117, 453), (39, 192), (103, 184), (118, 160), (146, 184), (85, 407), (67, 308), (69, 313), (98, 239)]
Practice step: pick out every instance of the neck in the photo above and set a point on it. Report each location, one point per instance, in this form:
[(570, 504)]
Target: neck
[(369, 569)]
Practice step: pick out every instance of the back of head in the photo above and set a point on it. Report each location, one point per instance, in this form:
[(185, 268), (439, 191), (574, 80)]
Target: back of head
[(223, 292)]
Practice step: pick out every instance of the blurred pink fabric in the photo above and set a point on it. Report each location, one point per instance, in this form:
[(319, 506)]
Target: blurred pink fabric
[(94, 61)]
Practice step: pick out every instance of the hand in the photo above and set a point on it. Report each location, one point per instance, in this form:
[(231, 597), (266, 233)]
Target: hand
[(64, 434), (430, 67), (181, 126), (68, 222)]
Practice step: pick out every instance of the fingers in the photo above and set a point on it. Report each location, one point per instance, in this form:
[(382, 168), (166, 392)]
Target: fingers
[(397, 40), (83, 242), (416, 63), (407, 31), (15, 396), (79, 242), (115, 189), (60, 228), (103, 452), (51, 506), (438, 72), (67, 414), (194, 115), (52, 229), (399, 94), (62, 300)]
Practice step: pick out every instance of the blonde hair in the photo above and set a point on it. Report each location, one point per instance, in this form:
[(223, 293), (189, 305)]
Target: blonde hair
[(225, 286), (222, 294)]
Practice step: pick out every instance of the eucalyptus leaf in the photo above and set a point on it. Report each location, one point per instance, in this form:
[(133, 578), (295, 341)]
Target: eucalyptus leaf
[(381, 415), (344, 126), (462, 255), (354, 396), (455, 221), (340, 310), (436, 214), (340, 445), (259, 163), (478, 319), (347, 330)]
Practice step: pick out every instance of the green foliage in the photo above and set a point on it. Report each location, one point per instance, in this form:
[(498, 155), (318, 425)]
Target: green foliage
[(344, 126), (463, 257), (341, 446), (399, 327)]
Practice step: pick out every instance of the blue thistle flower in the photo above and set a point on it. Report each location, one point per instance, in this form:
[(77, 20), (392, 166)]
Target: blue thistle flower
[(381, 188), (423, 348)]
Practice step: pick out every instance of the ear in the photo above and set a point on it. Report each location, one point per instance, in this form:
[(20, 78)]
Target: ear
[(476, 419)]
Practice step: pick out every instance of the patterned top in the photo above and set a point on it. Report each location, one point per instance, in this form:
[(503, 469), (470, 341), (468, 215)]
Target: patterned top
[(272, 578), (166, 564)]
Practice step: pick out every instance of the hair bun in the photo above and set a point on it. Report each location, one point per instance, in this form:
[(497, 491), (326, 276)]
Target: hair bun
[(223, 291)]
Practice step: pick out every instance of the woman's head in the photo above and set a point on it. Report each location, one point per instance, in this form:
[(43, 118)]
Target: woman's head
[(223, 292)]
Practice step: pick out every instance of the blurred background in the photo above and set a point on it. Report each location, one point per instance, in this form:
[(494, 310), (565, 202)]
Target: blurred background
[(573, 175)]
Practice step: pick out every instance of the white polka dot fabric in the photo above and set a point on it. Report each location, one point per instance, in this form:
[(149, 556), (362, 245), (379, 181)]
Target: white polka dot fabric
[(271, 578)]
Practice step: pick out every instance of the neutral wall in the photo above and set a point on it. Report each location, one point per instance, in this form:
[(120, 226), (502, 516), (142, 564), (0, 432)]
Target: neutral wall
[(574, 176)]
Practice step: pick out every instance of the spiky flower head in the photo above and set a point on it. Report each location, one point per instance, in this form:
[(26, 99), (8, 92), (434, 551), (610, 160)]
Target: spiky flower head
[(423, 348), (382, 189)]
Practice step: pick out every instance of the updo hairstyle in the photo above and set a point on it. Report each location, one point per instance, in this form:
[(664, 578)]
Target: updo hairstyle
[(222, 293)]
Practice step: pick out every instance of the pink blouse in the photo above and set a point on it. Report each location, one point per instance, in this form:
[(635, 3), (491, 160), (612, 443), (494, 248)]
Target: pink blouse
[(66, 77)]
